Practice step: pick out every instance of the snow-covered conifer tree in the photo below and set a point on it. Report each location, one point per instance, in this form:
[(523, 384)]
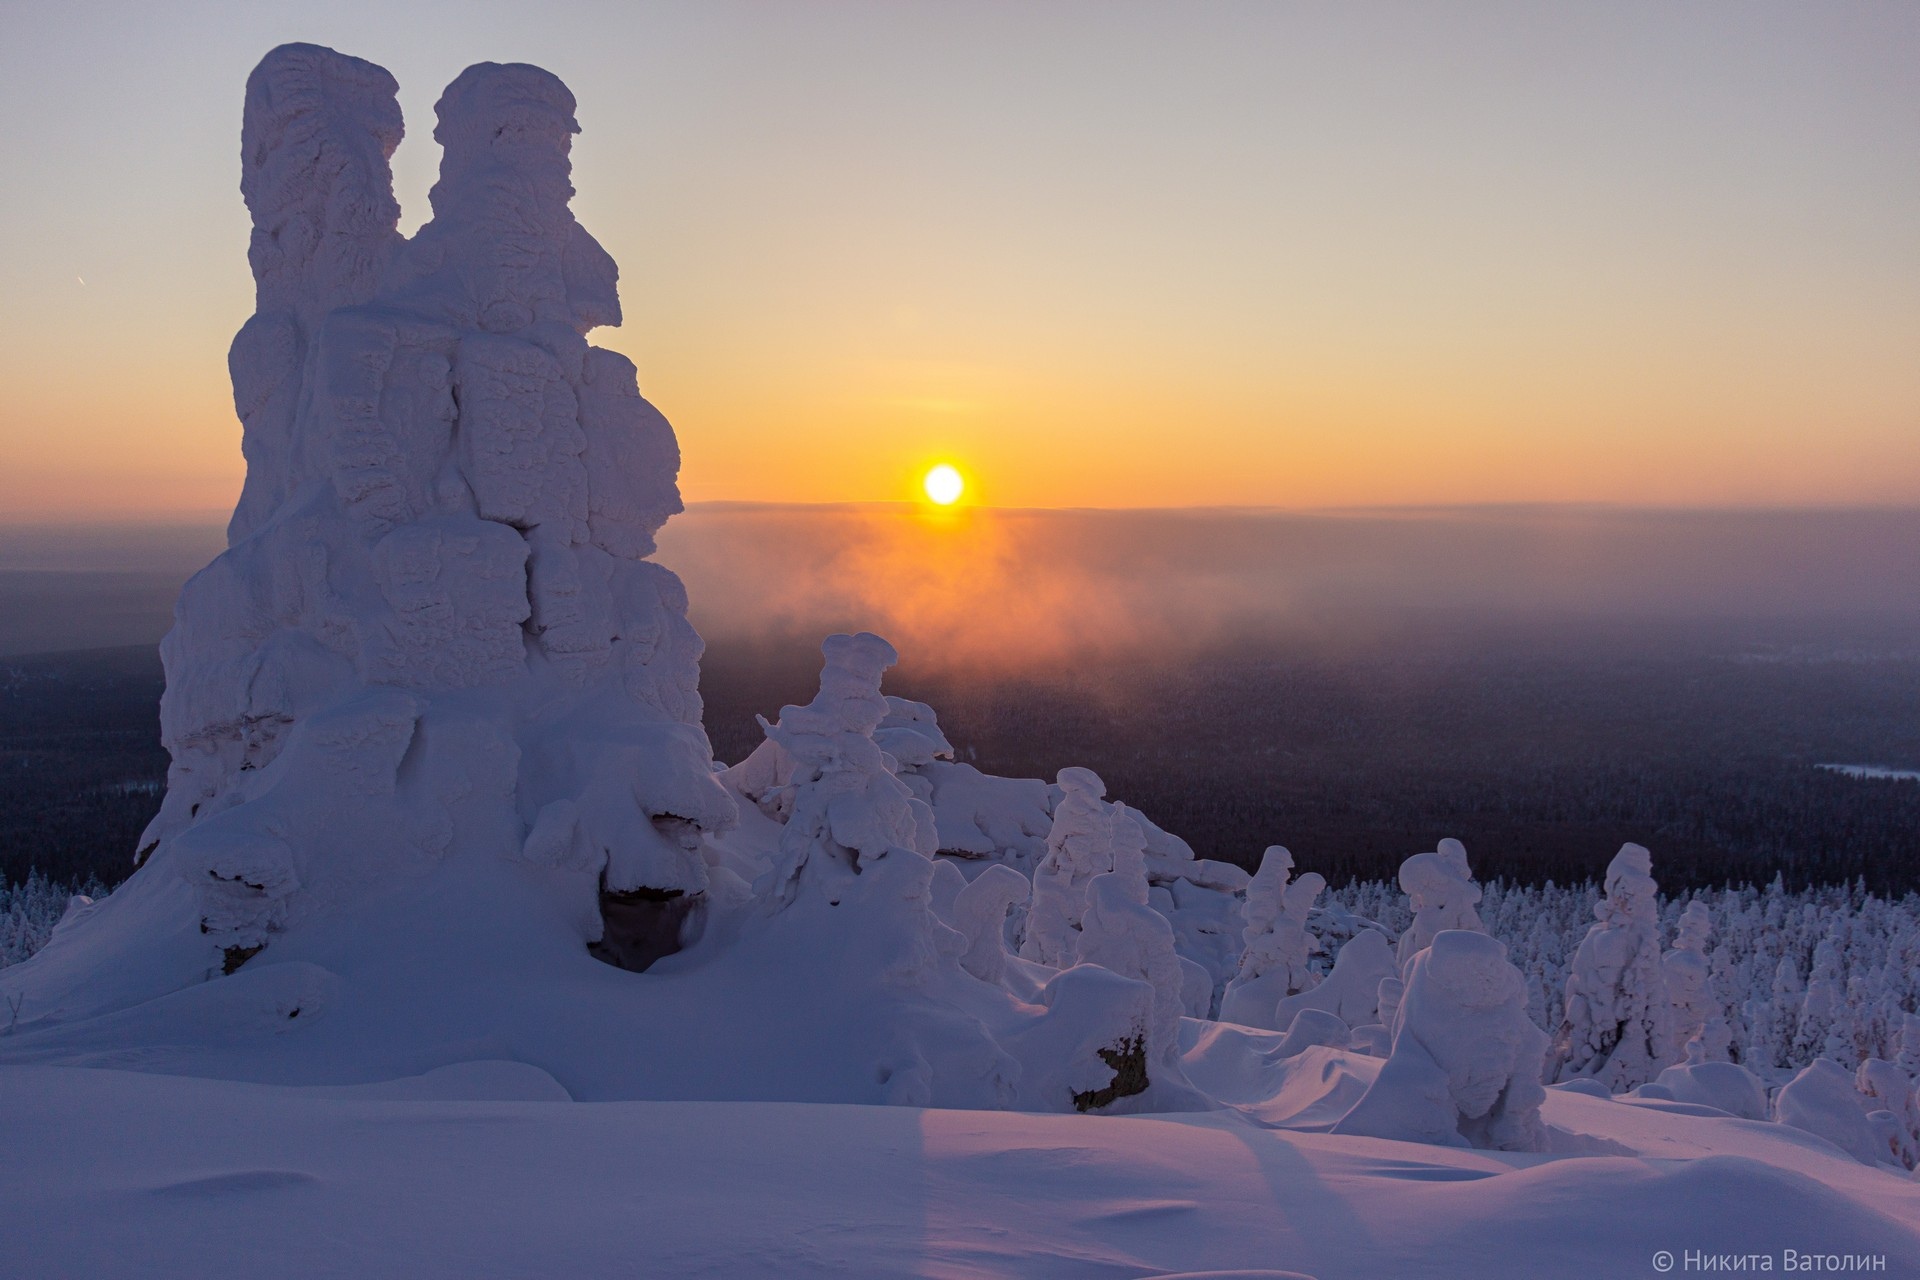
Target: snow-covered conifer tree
[(1616, 1011), (1440, 888), (1821, 1031), (1079, 847), (1119, 931), (1278, 945), (1687, 975), (847, 805)]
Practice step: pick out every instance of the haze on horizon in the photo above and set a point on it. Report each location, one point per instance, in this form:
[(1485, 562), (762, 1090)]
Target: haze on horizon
[(1100, 255)]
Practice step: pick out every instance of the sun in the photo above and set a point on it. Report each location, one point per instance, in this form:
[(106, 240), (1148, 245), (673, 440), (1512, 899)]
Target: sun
[(944, 485)]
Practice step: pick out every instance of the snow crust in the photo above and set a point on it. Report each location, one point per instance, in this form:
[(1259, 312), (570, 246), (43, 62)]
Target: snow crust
[(137, 1175)]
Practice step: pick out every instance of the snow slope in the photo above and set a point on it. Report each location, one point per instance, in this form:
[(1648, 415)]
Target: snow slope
[(478, 1174)]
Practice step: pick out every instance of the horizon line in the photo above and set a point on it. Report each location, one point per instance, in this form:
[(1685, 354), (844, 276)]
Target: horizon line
[(204, 519)]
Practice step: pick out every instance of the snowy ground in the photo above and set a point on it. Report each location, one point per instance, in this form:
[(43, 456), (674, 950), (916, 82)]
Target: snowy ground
[(487, 1169)]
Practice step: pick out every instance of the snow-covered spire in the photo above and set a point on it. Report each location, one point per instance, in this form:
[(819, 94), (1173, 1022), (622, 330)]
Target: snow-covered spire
[(504, 252), (318, 131), (1617, 1008)]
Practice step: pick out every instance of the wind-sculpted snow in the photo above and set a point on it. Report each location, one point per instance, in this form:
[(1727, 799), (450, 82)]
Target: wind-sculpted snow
[(1351, 992), (1823, 1100), (1464, 1069), (980, 914)]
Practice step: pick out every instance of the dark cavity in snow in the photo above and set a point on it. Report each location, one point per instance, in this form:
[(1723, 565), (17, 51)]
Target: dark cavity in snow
[(639, 926), (234, 957)]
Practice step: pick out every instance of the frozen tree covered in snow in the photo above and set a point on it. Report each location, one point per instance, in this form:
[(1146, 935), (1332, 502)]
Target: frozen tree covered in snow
[(1278, 946), (845, 805), (1885, 1087), (1687, 977), (1616, 1013), (1822, 1009), (1119, 931), (1088, 838), (1774, 1018), (1440, 887), (32, 910), (1464, 1068)]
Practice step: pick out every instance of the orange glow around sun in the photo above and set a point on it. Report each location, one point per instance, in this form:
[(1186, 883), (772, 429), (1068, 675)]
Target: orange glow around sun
[(944, 485)]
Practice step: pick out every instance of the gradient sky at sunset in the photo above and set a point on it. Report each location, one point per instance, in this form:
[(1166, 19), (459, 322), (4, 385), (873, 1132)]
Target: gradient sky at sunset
[(1099, 254)]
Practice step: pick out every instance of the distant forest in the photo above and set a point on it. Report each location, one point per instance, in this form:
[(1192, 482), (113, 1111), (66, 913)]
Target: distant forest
[(1543, 753)]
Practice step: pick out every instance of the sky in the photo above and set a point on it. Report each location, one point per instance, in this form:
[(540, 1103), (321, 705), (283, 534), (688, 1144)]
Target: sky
[(1105, 254)]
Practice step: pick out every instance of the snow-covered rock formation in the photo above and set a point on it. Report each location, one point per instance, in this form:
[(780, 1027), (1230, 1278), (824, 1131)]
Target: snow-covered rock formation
[(436, 624), (1464, 1069), (1278, 945), (1616, 1012)]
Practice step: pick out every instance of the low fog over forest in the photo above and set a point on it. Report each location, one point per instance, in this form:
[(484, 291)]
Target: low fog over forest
[(1540, 683)]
